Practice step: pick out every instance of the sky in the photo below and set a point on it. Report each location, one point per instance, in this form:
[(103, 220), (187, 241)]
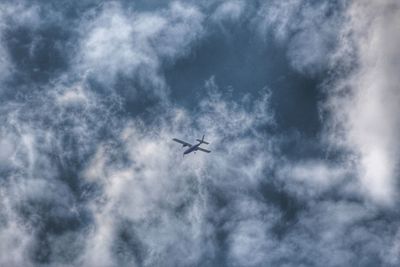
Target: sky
[(299, 100)]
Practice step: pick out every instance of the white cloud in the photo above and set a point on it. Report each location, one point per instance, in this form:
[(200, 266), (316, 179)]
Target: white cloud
[(73, 96), (250, 244), (327, 231), (312, 178), (164, 196), (70, 149), (39, 138), (229, 11), (12, 15), (135, 44), (277, 15), (15, 237), (305, 28), (365, 103)]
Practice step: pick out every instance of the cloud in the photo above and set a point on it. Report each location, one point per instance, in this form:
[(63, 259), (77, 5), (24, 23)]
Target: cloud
[(229, 11), (15, 237), (118, 42), (163, 197), (364, 102), (308, 29), (44, 141), (47, 135), (86, 182), (313, 178), (250, 244), (331, 233), (13, 15)]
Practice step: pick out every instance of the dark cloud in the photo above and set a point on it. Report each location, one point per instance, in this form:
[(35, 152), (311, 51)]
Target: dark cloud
[(298, 99)]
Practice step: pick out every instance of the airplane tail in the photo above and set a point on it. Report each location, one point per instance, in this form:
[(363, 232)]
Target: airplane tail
[(202, 141)]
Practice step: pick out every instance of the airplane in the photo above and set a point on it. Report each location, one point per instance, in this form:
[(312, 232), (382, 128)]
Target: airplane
[(193, 148)]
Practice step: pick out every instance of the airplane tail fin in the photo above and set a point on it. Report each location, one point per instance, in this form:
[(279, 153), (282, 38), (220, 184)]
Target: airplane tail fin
[(202, 141)]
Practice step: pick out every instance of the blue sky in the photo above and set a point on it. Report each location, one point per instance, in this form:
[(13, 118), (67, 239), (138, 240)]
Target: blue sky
[(298, 98)]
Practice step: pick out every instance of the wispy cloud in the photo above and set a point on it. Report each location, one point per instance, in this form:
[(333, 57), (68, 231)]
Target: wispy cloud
[(155, 186), (119, 43), (86, 181), (309, 30)]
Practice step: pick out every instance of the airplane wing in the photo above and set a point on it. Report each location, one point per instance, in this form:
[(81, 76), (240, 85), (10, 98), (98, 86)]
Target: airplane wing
[(182, 142), (204, 150)]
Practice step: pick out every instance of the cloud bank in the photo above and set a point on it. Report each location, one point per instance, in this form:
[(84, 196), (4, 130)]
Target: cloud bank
[(364, 102)]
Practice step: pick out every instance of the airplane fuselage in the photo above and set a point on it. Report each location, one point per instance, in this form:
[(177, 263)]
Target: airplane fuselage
[(191, 149)]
